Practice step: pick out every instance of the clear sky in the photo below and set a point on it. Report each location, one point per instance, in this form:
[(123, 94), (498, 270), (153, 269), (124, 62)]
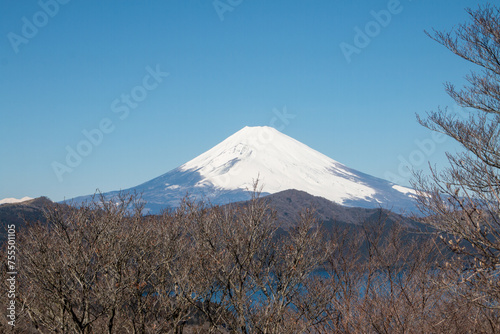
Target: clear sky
[(137, 88)]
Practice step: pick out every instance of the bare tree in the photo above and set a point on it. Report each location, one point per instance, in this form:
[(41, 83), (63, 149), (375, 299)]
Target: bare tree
[(106, 268), (250, 279), (463, 200), (74, 275)]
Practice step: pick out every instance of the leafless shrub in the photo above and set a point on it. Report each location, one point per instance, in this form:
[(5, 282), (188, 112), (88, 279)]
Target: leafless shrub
[(106, 268)]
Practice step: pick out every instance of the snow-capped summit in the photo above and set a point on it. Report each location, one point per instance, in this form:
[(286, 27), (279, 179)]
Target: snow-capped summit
[(226, 172), (280, 162)]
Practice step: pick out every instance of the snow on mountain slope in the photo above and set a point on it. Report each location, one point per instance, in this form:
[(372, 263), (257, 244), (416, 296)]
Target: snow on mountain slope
[(224, 174), (280, 162), (14, 200)]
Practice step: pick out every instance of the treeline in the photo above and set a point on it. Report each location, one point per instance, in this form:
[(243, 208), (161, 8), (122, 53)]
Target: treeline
[(101, 268)]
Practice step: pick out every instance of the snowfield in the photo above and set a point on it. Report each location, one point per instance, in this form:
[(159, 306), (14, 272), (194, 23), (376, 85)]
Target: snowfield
[(280, 162), (226, 172)]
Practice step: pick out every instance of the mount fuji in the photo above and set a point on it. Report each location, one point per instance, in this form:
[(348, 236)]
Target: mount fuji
[(226, 174)]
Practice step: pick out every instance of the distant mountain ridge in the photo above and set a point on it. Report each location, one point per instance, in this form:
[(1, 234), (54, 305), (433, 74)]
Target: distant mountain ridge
[(17, 213), (14, 200), (289, 203), (225, 174), (331, 216)]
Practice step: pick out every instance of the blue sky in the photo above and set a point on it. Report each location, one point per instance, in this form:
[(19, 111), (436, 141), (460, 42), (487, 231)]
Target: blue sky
[(70, 67)]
